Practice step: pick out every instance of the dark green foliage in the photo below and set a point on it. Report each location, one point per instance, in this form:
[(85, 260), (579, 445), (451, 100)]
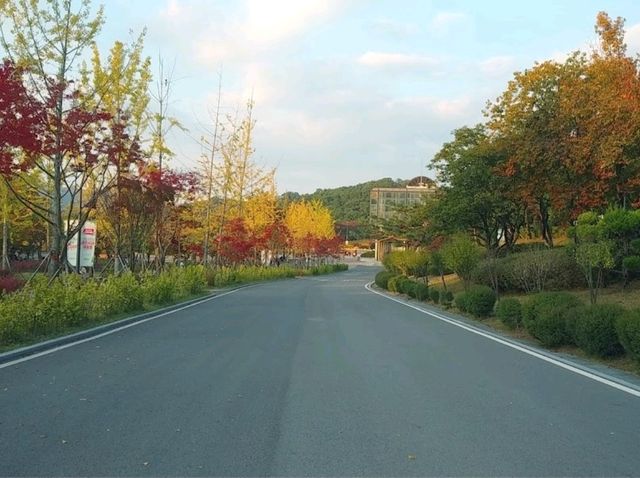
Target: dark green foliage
[(546, 316), (462, 301), (382, 279), (535, 270), (631, 263), (628, 329), (434, 295), (446, 298), (509, 311), (595, 330), (409, 288), (368, 254), (480, 301), (422, 291), (393, 284)]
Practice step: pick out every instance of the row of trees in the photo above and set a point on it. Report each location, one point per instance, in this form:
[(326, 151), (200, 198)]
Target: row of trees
[(84, 136), (562, 139), (559, 151)]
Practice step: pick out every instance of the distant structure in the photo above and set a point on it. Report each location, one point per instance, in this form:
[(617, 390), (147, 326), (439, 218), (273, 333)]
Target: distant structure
[(383, 203)]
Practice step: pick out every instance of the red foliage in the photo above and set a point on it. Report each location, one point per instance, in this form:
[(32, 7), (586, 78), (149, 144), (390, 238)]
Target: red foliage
[(9, 283), (22, 120), (276, 237), (235, 244)]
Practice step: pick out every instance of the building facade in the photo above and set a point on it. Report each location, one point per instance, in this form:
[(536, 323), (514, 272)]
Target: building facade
[(383, 203)]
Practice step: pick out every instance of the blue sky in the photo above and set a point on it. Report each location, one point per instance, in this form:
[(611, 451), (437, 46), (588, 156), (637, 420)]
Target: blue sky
[(350, 90)]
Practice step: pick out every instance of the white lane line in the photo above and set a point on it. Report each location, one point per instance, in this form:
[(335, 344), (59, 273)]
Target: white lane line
[(533, 353), (113, 331)]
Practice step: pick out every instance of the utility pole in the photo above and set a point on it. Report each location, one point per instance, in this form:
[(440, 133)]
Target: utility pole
[(210, 188)]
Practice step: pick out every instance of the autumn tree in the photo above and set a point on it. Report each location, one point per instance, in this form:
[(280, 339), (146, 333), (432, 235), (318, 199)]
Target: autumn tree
[(121, 88), (307, 221), (46, 39)]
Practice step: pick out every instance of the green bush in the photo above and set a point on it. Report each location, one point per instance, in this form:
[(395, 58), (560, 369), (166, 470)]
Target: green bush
[(535, 270), (382, 279), (393, 284), (400, 284), (434, 295), (409, 288), (480, 301), (446, 298), (628, 329), (509, 311), (422, 291), (368, 254), (595, 330), (461, 301), (547, 317), (157, 289)]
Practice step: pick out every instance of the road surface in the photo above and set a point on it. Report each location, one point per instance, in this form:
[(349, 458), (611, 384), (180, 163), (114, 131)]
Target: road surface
[(314, 376)]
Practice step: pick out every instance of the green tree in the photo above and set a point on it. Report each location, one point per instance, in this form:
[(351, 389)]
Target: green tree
[(461, 255), (474, 198)]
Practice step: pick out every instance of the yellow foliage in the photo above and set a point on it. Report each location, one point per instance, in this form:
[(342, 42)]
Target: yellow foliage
[(309, 219)]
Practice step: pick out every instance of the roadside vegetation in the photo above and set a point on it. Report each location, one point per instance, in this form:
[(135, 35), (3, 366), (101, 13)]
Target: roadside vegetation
[(536, 227), (45, 309)]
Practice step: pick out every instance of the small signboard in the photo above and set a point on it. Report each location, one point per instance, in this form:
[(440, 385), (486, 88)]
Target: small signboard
[(87, 246)]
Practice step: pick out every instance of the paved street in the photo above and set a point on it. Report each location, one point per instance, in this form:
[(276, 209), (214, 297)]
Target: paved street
[(314, 376)]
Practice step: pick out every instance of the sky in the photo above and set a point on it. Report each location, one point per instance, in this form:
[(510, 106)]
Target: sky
[(347, 91)]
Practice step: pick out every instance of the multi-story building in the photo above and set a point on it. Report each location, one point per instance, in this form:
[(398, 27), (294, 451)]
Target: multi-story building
[(383, 203)]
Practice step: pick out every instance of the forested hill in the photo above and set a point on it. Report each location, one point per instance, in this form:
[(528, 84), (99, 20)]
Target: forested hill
[(348, 203)]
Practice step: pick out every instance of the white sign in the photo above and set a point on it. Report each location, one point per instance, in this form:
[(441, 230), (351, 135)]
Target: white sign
[(87, 248)]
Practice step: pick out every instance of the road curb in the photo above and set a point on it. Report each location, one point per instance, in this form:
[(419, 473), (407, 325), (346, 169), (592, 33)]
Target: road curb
[(22, 352), (616, 378)]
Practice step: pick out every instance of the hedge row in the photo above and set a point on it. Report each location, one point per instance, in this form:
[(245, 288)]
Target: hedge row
[(554, 318), (41, 309), (226, 276), (414, 289), (559, 318)]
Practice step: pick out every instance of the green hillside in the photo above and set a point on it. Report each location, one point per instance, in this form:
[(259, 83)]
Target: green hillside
[(347, 203)]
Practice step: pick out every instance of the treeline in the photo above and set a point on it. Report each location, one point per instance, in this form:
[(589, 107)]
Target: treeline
[(83, 137), (561, 140), (349, 205)]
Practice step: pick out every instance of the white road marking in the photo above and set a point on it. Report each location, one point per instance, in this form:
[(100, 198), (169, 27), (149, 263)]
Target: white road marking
[(118, 329), (610, 382)]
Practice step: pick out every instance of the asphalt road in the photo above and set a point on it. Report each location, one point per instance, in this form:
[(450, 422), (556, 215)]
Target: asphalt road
[(313, 376)]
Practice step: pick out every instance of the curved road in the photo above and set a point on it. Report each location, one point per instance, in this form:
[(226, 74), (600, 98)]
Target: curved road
[(314, 376)]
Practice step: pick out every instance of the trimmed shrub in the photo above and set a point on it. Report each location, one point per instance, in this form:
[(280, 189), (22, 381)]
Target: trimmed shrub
[(422, 291), (446, 298), (595, 330), (434, 295), (480, 301), (628, 330), (393, 284), (368, 254), (409, 288), (547, 316), (382, 279), (462, 301), (509, 311)]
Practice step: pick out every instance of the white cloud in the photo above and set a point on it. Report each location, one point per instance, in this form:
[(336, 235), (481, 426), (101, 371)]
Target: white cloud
[(386, 26), (497, 65), (632, 38), (273, 21), (376, 59), (443, 21), (245, 32)]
